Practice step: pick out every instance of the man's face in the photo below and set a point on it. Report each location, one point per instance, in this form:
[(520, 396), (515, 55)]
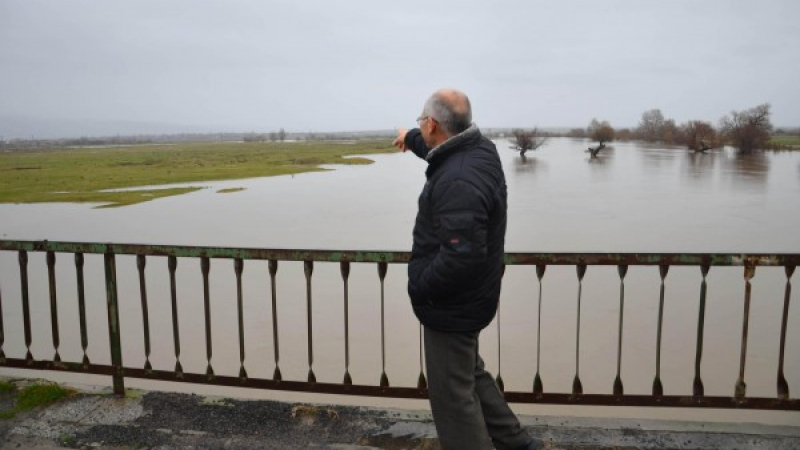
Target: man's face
[(427, 125)]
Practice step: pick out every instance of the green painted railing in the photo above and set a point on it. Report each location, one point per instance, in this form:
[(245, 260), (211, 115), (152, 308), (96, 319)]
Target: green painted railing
[(118, 371)]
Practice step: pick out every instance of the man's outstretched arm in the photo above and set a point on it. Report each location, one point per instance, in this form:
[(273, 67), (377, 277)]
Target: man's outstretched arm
[(411, 140)]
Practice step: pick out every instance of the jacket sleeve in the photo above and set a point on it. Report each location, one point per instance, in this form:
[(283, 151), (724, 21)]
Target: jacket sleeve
[(415, 143), (461, 213)]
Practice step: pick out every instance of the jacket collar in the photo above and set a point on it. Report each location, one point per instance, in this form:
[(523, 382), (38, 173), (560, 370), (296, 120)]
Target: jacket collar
[(453, 142)]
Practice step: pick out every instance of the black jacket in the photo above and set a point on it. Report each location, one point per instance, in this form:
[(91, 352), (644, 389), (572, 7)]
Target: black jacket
[(457, 258)]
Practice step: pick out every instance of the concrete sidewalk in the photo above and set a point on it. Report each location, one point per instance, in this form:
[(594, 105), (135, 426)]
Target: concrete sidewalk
[(161, 420)]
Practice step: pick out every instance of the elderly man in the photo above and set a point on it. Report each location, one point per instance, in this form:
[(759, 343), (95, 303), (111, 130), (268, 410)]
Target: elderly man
[(455, 272)]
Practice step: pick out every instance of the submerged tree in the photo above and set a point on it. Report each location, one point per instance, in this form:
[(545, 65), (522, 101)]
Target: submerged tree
[(527, 140), (651, 126), (600, 132), (698, 135), (748, 130)]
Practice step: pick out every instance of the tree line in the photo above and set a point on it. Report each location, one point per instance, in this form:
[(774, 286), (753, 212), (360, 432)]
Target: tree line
[(747, 130)]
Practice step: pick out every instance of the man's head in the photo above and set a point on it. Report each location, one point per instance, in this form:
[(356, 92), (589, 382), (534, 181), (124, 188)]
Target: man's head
[(446, 113)]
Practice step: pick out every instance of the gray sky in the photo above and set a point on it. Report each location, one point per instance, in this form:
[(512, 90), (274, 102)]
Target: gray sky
[(134, 65)]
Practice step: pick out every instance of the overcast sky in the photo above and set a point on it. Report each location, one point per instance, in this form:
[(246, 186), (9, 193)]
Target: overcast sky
[(364, 65)]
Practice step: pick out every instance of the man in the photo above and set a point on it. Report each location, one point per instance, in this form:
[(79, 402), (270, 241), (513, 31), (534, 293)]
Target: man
[(455, 272)]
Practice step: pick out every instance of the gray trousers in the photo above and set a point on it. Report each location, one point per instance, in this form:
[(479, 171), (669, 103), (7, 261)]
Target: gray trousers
[(468, 408)]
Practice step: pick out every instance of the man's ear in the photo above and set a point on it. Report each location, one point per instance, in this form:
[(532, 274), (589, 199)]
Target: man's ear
[(433, 126)]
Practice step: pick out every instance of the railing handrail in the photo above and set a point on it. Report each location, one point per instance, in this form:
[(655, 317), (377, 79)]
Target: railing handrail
[(390, 256)]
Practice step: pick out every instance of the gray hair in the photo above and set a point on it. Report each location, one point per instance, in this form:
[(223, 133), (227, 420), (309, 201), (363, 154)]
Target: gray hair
[(451, 109)]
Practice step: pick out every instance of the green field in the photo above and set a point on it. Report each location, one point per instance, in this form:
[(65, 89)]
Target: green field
[(786, 141), (80, 175)]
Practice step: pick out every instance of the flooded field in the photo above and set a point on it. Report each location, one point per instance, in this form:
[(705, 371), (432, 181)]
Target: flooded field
[(633, 198)]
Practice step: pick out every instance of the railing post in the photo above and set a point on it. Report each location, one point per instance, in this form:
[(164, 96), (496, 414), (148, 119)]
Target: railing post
[(344, 268), (2, 335), (113, 322), (26, 311), (141, 263), (82, 307), (273, 270), (238, 266), (382, 268), (741, 386), (698, 389), (577, 386), (499, 378), (623, 270), (51, 281), (308, 268), (205, 267), (783, 386), (658, 388), (538, 388)]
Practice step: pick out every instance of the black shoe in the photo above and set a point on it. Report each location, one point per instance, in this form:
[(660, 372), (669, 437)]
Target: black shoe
[(534, 444)]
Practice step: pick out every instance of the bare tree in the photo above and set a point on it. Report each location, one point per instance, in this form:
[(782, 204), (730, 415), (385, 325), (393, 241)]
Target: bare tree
[(748, 130), (527, 140), (651, 126), (698, 135), (601, 132), (577, 133), (670, 133), (281, 135)]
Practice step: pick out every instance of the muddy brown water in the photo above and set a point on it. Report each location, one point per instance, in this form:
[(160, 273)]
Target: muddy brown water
[(633, 198)]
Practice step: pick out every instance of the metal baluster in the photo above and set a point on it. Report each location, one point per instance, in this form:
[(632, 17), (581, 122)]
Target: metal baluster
[(499, 378), (622, 269), (172, 263), (308, 268), (422, 383), (741, 386), (2, 333), (238, 266), (697, 388), (658, 388), (783, 387), (205, 268), (344, 267), (273, 269), (538, 388), (51, 281), (112, 303), (382, 268), (26, 310), (577, 387), (82, 307), (141, 262)]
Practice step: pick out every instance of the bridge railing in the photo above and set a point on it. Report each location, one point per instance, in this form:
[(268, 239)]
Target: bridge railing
[(538, 262)]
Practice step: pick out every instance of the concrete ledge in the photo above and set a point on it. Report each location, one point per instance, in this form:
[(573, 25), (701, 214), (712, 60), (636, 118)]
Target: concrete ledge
[(95, 419)]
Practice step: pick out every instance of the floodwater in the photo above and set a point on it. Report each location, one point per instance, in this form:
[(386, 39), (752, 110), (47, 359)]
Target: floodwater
[(632, 198)]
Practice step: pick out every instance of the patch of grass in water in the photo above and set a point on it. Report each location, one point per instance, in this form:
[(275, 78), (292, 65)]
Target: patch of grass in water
[(230, 190)]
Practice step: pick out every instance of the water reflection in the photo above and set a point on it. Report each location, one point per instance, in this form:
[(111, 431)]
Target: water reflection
[(603, 158), (696, 166), (528, 164), (658, 158), (749, 169)]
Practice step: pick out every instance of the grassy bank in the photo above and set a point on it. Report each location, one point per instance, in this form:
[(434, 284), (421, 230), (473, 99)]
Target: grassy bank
[(81, 175), (786, 142), (14, 400)]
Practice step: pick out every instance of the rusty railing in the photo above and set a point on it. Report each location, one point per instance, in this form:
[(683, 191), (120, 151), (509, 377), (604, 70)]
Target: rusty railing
[(118, 371)]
